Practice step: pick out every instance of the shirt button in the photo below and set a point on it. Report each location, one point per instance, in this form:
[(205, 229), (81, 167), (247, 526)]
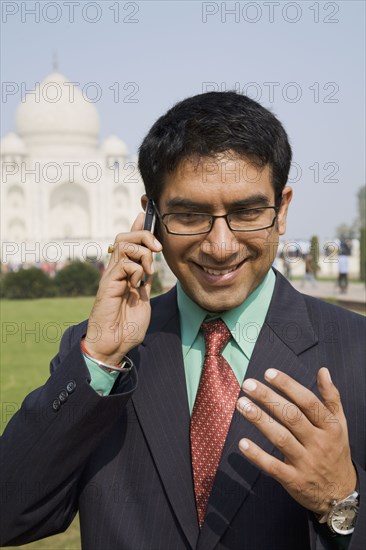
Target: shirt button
[(63, 396), (56, 404), (100, 392), (71, 386)]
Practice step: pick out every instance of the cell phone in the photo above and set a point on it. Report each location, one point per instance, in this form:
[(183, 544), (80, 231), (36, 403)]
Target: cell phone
[(149, 225), (150, 216)]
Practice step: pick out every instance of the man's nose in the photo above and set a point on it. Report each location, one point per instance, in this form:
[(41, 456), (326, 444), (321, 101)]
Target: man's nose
[(220, 243)]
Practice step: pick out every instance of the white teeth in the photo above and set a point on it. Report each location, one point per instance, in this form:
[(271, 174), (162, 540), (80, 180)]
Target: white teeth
[(218, 271)]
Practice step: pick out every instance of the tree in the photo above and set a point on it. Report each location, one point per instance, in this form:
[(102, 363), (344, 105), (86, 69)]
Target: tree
[(77, 279), (352, 231), (363, 254), (361, 195), (27, 283), (345, 232), (314, 251)]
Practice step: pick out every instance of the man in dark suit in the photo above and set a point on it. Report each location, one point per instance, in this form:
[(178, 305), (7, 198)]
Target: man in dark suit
[(145, 425)]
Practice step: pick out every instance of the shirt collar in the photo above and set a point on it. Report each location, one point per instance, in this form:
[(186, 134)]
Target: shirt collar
[(244, 322)]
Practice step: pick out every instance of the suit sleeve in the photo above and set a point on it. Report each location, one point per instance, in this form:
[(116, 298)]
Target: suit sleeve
[(48, 442), (345, 347), (321, 540)]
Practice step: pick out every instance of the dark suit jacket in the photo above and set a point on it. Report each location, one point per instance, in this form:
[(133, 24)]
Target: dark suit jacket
[(124, 460)]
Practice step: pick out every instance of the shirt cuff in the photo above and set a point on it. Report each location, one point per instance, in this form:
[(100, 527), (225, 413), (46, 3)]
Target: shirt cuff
[(100, 380)]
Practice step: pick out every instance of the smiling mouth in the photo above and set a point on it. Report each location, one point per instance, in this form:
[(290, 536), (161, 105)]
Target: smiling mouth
[(223, 271)]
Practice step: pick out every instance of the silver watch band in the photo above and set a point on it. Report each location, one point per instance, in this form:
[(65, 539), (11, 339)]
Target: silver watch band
[(324, 518)]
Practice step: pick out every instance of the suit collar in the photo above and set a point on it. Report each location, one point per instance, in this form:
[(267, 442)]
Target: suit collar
[(288, 317)]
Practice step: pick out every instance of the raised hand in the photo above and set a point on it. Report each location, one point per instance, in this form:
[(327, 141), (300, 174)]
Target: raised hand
[(311, 434), (121, 311)]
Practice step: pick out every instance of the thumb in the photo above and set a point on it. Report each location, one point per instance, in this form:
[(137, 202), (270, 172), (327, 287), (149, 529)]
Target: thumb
[(329, 392)]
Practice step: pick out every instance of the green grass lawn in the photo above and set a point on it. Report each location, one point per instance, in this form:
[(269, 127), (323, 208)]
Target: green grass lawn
[(30, 336)]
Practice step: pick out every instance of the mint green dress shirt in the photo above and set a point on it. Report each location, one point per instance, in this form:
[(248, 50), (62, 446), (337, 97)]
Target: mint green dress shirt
[(244, 323)]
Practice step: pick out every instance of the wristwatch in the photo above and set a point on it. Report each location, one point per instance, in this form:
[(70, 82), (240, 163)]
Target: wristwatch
[(342, 515)]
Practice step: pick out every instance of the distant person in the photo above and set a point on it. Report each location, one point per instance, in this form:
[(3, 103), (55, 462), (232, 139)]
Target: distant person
[(343, 270), (286, 261), (309, 275)]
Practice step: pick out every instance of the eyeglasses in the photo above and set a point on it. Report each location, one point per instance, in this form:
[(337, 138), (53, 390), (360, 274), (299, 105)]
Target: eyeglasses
[(195, 223)]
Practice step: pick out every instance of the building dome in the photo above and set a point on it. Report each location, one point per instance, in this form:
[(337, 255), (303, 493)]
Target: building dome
[(12, 145), (57, 115), (115, 147)]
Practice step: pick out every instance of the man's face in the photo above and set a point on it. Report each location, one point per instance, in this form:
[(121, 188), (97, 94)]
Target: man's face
[(240, 260)]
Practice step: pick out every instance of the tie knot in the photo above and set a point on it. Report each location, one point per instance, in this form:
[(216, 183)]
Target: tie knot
[(216, 336)]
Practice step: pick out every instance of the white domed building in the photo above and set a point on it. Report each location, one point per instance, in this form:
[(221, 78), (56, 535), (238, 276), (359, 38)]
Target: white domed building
[(63, 194)]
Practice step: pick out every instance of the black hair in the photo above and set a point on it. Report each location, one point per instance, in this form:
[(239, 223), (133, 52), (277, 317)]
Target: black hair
[(208, 124)]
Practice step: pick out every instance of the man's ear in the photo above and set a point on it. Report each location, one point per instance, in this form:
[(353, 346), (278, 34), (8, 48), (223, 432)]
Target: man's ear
[(144, 200), (282, 213)]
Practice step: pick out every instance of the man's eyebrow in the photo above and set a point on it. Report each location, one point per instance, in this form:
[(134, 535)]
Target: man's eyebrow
[(181, 202), (186, 204), (254, 200)]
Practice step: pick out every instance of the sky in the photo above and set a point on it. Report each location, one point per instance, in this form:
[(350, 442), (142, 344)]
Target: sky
[(305, 61)]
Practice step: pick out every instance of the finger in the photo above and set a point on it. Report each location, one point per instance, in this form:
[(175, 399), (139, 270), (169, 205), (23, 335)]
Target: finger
[(138, 224), (126, 252), (330, 395), (138, 235), (140, 254), (135, 274), (279, 435), (265, 462), (128, 272), (286, 412), (302, 397), (144, 238)]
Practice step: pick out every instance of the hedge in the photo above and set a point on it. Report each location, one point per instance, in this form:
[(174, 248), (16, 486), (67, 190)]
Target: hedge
[(76, 279)]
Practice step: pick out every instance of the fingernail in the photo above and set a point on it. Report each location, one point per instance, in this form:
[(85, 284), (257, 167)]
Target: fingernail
[(244, 404), (271, 373), (157, 244), (152, 269), (330, 378), (243, 444), (249, 385)]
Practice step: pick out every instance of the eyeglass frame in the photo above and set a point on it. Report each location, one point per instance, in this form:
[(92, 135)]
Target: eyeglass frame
[(213, 218)]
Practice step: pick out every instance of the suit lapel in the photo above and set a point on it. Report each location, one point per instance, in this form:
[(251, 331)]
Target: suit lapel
[(161, 405), (286, 334)]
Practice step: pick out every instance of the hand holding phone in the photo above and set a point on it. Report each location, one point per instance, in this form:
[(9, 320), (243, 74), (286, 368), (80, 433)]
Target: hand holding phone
[(122, 310)]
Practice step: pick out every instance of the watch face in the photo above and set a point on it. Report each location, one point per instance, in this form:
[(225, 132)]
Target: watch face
[(343, 518)]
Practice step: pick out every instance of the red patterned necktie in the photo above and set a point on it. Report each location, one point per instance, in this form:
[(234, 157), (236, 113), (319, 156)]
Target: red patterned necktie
[(213, 409)]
